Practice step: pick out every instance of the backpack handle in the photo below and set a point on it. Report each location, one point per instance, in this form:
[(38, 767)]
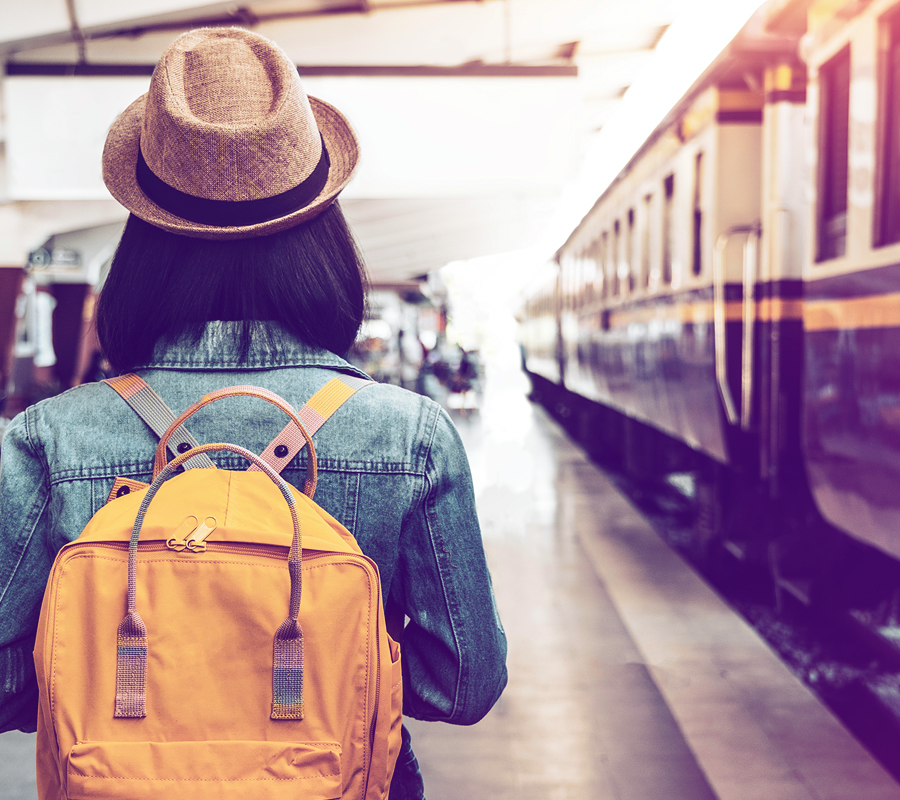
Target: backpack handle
[(159, 461), (287, 667)]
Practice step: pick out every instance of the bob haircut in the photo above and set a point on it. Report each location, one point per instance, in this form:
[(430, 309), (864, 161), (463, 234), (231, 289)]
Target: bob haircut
[(162, 286)]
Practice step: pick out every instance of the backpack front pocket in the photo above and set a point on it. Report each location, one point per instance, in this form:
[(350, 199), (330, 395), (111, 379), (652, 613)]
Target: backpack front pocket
[(204, 770)]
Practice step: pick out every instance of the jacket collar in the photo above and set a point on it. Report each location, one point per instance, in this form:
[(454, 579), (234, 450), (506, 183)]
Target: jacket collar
[(271, 347)]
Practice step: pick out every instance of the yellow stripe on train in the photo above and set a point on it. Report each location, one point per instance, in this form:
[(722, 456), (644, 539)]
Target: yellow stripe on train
[(882, 311), (701, 312)]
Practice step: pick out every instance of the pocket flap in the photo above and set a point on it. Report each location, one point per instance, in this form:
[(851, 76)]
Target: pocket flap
[(201, 770)]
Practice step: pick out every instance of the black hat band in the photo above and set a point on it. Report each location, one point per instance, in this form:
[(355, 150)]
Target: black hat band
[(232, 213)]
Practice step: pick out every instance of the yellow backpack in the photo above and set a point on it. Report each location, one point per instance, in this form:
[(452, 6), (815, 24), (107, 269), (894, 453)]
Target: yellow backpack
[(216, 635)]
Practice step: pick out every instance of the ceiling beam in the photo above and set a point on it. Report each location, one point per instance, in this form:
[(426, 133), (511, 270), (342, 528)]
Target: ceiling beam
[(76, 32), (234, 15), (471, 70)]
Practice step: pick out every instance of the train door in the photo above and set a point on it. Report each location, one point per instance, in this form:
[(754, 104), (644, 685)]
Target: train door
[(728, 490), (757, 290), (736, 235), (778, 369)]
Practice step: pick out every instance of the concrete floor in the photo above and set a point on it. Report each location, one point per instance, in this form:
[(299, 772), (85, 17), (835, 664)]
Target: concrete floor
[(17, 766), (580, 704), (629, 679)]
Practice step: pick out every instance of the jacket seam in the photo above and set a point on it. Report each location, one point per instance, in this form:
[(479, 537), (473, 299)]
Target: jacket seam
[(426, 442), (429, 486), (40, 453), (352, 505), (34, 442), (24, 549), (133, 470), (32, 523), (236, 366)]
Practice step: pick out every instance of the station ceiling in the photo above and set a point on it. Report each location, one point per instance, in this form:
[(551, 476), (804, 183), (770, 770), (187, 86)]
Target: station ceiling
[(472, 114)]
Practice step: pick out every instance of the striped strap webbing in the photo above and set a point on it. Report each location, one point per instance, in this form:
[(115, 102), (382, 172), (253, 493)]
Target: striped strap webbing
[(151, 408), (313, 414)]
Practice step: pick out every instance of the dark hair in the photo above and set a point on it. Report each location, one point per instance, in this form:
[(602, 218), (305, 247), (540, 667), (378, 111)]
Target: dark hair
[(163, 286)]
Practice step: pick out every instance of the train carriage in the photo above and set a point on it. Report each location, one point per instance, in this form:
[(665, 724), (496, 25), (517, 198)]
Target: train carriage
[(656, 282), (852, 275), (731, 304)]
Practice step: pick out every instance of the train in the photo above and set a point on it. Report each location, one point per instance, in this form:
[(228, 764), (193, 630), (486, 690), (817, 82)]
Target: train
[(726, 317)]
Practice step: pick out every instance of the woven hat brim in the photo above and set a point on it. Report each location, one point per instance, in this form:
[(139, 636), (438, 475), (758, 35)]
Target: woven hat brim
[(120, 156)]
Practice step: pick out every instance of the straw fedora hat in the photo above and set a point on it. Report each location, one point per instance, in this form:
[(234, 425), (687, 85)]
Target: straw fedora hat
[(226, 144)]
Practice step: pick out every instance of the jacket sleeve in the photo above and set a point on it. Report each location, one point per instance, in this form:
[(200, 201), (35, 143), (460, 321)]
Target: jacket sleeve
[(25, 562), (454, 646)]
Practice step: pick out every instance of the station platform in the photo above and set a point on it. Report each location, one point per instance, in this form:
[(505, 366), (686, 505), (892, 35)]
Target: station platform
[(629, 678)]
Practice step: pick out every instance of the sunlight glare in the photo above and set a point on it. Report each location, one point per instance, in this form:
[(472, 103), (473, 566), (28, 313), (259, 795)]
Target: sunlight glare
[(700, 32)]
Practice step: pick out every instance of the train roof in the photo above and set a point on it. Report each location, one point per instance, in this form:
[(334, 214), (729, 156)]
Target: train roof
[(787, 16), (755, 46)]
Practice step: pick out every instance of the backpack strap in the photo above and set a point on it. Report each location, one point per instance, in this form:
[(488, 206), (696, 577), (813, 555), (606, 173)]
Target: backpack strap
[(314, 413), (151, 408)]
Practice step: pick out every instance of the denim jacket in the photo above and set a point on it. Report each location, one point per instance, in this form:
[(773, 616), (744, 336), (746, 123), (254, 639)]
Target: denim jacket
[(391, 468)]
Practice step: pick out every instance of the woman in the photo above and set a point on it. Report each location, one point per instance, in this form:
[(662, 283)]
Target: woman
[(236, 267)]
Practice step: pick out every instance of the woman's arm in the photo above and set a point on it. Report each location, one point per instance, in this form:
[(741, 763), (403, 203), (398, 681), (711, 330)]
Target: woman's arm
[(454, 647), (25, 562)]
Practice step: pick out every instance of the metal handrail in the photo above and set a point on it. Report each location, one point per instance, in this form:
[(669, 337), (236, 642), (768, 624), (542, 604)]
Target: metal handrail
[(750, 270), (752, 232)]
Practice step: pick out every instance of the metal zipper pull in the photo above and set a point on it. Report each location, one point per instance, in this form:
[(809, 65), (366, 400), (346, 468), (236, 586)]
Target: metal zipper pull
[(178, 540), (196, 544)]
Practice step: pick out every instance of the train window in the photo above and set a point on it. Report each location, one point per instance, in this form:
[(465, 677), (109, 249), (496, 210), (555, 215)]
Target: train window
[(576, 283), (590, 275), (697, 227), (630, 251), (573, 284), (888, 231), (616, 250), (587, 275), (645, 240), (834, 130), (596, 256), (583, 271), (604, 260), (562, 285), (668, 253)]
